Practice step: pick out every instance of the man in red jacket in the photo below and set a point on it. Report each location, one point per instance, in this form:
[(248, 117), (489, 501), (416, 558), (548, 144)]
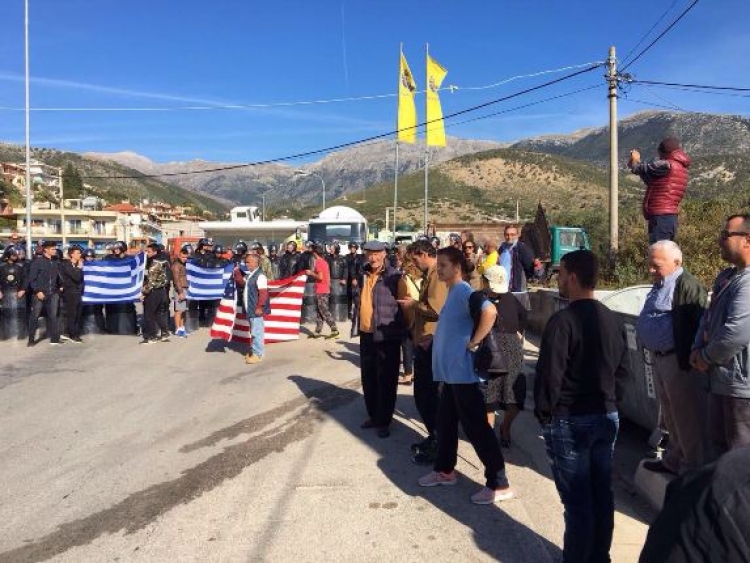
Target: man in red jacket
[(666, 178)]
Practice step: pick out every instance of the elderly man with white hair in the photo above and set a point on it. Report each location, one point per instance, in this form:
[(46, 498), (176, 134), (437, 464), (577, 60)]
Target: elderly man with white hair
[(666, 327)]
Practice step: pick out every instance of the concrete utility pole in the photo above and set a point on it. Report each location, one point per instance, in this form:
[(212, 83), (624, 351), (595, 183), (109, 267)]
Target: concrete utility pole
[(62, 207), (614, 221), (29, 187)]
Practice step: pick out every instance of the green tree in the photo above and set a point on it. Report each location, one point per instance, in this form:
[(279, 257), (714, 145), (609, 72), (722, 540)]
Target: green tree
[(72, 182)]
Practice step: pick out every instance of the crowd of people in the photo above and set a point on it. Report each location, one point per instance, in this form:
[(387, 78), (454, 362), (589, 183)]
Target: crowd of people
[(429, 309)]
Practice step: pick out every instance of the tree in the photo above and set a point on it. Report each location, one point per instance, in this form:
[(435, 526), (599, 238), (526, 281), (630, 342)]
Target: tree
[(72, 182)]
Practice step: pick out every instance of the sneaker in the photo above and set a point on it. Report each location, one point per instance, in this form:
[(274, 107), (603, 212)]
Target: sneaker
[(315, 335), (253, 359), (334, 334), (77, 340), (164, 337), (149, 341), (436, 478), (181, 333), (65, 338), (54, 343), (491, 496)]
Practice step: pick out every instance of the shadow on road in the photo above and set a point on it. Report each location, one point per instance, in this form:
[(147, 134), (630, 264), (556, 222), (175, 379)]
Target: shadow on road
[(494, 532)]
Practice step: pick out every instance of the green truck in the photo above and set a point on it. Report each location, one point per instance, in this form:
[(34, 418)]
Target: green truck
[(551, 243)]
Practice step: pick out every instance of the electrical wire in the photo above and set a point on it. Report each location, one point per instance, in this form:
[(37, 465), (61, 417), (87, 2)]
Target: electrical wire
[(645, 35), (695, 86), (662, 34), (360, 141), (271, 105)]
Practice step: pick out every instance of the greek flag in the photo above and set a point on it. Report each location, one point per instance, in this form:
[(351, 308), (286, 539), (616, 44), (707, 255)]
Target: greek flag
[(207, 283), (116, 281)]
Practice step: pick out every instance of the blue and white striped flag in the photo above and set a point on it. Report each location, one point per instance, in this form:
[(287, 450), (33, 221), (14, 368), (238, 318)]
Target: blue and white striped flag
[(207, 283), (117, 281)]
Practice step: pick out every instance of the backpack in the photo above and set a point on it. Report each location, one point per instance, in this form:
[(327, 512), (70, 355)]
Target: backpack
[(490, 361)]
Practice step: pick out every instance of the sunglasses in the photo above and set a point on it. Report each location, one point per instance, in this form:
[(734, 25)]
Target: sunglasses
[(724, 235)]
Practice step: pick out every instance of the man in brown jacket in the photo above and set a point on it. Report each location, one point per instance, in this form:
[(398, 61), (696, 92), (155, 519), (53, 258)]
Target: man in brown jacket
[(426, 310), (179, 288)]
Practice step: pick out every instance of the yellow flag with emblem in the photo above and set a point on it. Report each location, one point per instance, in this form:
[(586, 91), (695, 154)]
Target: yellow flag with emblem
[(435, 129), (407, 110)]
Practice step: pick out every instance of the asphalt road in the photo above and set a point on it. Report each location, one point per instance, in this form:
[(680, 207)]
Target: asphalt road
[(111, 451)]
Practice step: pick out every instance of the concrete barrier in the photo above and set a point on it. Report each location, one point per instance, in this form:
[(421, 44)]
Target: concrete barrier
[(639, 403)]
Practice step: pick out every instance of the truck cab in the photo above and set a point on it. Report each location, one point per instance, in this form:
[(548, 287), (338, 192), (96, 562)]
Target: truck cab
[(567, 239), (338, 224)]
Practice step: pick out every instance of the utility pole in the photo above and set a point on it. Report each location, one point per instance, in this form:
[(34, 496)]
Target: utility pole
[(613, 168), (62, 206)]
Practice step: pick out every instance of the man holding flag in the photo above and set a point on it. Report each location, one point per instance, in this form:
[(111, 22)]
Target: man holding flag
[(256, 305)]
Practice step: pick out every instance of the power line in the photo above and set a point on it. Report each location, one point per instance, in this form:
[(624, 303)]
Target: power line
[(662, 34), (643, 38), (271, 105), (696, 86), (360, 141)]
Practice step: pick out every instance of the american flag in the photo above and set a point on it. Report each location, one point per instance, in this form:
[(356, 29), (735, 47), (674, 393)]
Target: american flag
[(281, 324)]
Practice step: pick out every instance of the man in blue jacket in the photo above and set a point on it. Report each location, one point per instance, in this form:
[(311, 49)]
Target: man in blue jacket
[(721, 344)]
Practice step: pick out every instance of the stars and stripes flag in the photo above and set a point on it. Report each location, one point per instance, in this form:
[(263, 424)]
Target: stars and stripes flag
[(207, 283), (114, 281), (281, 324)]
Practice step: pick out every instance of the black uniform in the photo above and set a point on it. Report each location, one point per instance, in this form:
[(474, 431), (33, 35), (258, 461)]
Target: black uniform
[(71, 280), (43, 278), (288, 264)]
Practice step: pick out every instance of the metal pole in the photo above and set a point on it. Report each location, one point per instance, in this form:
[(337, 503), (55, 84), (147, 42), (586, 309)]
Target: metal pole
[(613, 168), (426, 185), (29, 196), (426, 148), (395, 195), (324, 191)]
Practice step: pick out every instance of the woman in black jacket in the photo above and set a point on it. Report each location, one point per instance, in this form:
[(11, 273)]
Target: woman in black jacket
[(71, 281)]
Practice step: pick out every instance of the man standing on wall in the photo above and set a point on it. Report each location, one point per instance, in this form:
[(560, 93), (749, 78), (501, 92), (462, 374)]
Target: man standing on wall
[(666, 179)]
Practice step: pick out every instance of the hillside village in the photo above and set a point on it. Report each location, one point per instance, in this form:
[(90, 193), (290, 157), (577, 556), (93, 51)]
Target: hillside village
[(90, 221)]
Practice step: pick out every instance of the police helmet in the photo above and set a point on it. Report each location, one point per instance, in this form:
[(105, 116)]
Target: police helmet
[(120, 245), (10, 251), (353, 244), (218, 249), (272, 248), (187, 248), (240, 248), (89, 254)]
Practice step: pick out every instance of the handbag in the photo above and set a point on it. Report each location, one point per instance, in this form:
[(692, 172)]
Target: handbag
[(490, 361)]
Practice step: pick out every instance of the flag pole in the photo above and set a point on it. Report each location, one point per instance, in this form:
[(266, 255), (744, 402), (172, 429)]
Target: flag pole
[(426, 148), (29, 194), (395, 165)]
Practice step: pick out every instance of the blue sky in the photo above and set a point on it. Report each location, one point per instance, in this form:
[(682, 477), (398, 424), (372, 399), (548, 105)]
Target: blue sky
[(165, 56)]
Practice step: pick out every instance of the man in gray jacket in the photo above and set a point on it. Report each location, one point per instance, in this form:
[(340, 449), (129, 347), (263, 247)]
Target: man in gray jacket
[(721, 344)]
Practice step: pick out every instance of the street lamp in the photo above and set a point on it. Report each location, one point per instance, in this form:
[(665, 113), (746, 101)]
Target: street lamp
[(319, 177)]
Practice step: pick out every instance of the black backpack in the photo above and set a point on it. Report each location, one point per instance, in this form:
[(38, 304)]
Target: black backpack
[(489, 359)]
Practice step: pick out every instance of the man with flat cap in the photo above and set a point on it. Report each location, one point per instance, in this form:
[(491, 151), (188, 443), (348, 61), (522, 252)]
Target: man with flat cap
[(381, 326), (666, 179)]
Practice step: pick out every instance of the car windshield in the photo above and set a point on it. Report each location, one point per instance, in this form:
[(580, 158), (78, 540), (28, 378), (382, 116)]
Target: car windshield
[(328, 232)]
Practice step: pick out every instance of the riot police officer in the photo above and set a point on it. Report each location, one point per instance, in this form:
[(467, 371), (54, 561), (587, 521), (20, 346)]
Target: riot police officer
[(13, 280), (288, 262)]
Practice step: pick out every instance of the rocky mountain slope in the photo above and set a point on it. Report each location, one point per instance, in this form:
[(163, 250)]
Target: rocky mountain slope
[(343, 172)]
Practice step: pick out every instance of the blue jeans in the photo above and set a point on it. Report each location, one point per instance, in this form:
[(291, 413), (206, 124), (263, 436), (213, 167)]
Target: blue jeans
[(580, 450), (257, 331)]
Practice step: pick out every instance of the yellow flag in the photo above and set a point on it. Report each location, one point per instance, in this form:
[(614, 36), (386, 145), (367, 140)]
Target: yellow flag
[(435, 134), (407, 111)]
